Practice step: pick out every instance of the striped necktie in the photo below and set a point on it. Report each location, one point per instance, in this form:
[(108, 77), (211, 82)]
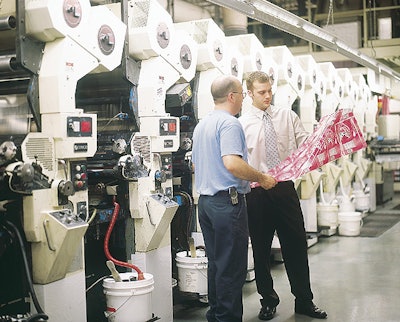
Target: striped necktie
[(271, 148)]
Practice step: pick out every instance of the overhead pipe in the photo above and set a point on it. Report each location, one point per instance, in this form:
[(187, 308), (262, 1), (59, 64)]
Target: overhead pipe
[(183, 11), (235, 23)]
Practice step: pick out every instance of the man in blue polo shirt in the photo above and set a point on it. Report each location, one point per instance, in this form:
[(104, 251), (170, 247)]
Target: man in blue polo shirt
[(222, 177)]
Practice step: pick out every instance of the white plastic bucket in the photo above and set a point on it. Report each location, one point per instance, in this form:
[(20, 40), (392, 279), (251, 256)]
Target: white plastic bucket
[(129, 301), (361, 201), (349, 223), (346, 204), (327, 215), (192, 272)]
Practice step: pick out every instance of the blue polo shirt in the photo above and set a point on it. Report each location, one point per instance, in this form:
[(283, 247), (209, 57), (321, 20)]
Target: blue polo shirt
[(216, 135)]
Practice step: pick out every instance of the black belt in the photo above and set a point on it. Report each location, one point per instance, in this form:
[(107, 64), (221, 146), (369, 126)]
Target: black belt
[(225, 193), (232, 194)]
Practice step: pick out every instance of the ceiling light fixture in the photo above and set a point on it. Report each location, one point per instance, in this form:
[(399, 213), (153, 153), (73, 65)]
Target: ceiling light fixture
[(273, 15)]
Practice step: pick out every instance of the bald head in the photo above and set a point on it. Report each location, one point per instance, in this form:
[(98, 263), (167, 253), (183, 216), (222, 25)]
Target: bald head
[(223, 85)]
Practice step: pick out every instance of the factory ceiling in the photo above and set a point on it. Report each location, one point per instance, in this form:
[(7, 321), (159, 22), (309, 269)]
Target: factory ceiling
[(374, 26)]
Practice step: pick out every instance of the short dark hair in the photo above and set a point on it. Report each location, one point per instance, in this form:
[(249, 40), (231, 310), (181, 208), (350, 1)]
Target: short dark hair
[(258, 76)]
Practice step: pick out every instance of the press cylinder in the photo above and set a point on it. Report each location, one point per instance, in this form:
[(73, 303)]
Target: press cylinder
[(8, 63), (7, 23)]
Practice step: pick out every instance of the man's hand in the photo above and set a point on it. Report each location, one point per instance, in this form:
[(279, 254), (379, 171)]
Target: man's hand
[(241, 169), (267, 182)]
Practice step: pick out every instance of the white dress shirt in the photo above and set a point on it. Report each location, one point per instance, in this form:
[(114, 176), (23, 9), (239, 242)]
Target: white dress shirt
[(289, 130)]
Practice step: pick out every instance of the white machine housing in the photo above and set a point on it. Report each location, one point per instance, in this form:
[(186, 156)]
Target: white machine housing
[(211, 40), (252, 50), (47, 20), (334, 90), (308, 102), (350, 89), (290, 83)]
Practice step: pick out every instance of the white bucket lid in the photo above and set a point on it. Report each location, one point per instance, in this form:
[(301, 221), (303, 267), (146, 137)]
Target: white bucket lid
[(349, 213), (185, 257), (322, 206), (129, 281)]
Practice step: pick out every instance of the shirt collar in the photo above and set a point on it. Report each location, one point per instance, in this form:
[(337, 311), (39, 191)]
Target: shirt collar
[(259, 113)]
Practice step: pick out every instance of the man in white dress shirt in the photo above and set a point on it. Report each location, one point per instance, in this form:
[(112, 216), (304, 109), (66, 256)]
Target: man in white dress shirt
[(277, 209)]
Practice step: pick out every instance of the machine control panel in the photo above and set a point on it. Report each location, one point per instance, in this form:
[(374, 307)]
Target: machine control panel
[(68, 218), (168, 127), (79, 176), (164, 200), (79, 126), (166, 165)]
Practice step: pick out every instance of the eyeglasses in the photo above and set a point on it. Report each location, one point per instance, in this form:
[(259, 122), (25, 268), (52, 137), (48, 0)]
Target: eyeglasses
[(242, 93)]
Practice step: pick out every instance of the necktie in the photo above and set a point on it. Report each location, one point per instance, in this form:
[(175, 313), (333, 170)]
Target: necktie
[(271, 148)]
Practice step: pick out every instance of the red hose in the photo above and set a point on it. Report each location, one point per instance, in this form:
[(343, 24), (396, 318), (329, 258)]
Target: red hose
[(107, 238)]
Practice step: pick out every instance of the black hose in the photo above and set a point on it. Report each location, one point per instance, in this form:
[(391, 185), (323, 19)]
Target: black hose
[(190, 219), (28, 274), (37, 317)]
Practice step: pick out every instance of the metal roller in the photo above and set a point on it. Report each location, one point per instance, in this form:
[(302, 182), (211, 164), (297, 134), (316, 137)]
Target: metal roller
[(8, 23), (8, 64), (14, 115)]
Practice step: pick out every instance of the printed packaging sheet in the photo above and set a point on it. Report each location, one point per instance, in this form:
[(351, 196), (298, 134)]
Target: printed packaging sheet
[(336, 135)]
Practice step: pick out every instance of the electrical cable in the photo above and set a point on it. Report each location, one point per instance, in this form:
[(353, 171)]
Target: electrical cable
[(28, 276), (95, 283), (11, 187), (186, 218), (119, 115), (92, 216), (107, 239), (190, 211)]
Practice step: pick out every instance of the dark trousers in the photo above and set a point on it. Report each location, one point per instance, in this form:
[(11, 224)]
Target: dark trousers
[(279, 209), (225, 230)]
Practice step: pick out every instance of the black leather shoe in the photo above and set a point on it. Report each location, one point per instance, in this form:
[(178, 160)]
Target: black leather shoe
[(310, 309), (267, 313)]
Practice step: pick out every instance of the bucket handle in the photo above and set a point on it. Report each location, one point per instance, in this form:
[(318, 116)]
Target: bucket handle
[(361, 223), (108, 314)]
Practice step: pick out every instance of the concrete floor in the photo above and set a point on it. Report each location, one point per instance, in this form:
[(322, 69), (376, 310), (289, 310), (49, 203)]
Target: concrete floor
[(354, 279)]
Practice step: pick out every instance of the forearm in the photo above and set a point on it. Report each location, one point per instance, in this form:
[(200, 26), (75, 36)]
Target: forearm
[(241, 169)]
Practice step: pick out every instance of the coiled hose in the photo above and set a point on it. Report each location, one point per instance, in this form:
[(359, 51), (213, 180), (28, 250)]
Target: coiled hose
[(107, 239)]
